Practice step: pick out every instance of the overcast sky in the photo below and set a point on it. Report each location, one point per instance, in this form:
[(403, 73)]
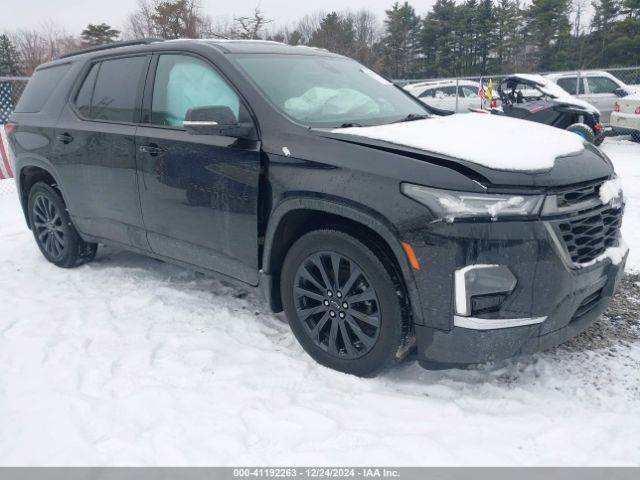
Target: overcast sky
[(74, 15)]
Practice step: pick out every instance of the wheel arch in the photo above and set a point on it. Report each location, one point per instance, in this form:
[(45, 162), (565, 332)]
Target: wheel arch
[(295, 217), (27, 175)]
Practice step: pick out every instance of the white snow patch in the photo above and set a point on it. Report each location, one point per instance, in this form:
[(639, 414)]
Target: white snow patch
[(625, 156), (610, 190), (523, 145), (614, 254)]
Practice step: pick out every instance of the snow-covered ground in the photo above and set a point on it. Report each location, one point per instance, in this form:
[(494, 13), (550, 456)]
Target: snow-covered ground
[(129, 361)]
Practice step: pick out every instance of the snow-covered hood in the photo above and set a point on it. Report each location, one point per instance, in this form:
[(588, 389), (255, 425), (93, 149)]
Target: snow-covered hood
[(522, 146)]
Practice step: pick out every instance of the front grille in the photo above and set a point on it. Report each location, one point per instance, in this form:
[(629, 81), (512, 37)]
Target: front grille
[(578, 195), (589, 236)]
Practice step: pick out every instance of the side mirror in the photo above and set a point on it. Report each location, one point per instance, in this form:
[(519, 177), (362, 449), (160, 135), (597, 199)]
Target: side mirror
[(215, 120), (620, 92)]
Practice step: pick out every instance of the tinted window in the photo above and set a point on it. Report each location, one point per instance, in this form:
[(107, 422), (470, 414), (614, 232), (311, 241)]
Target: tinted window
[(602, 85), (39, 89), (116, 89), (83, 99), (569, 84), (183, 82)]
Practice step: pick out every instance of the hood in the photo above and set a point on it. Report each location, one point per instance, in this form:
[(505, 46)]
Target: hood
[(551, 89), (522, 146), (494, 151)]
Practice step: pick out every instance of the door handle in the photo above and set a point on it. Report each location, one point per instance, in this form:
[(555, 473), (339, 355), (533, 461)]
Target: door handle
[(64, 138), (152, 149)]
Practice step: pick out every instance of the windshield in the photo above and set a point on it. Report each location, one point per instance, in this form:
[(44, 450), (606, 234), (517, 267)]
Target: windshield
[(328, 91)]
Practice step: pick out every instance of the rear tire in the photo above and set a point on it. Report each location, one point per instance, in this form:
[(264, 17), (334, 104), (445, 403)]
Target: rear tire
[(352, 322), (583, 130), (53, 231)]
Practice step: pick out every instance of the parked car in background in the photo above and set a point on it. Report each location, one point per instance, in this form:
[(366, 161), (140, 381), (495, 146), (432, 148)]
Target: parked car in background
[(442, 94), (599, 88), (625, 118)]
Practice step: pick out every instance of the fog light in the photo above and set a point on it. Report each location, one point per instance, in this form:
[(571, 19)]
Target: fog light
[(489, 284)]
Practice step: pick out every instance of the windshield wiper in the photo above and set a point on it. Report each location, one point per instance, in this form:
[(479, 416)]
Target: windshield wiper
[(411, 117), (351, 124)]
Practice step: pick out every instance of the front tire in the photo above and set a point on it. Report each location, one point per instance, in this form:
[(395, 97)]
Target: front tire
[(343, 304), (53, 231)]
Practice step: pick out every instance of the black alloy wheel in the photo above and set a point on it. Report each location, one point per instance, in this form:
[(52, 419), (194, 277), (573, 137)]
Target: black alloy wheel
[(345, 302), (48, 227), (53, 231), (337, 304)]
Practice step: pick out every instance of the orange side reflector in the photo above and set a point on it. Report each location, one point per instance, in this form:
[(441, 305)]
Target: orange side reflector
[(411, 255)]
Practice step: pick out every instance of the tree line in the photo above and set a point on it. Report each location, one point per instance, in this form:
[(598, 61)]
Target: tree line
[(464, 37)]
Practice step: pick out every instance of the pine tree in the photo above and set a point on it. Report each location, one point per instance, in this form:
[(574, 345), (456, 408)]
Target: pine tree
[(99, 35), (438, 40), (605, 14), (336, 34), (549, 31), (486, 28), (401, 39), (508, 23), (9, 61)]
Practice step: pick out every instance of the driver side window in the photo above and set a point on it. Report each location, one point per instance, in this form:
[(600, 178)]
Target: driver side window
[(601, 85), (183, 82)]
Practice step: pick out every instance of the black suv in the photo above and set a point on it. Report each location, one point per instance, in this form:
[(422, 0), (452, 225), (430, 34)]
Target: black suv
[(309, 177)]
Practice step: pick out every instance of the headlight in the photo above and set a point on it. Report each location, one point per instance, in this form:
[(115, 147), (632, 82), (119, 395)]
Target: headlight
[(449, 205)]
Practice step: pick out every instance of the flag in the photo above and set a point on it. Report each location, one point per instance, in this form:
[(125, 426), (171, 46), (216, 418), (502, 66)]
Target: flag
[(6, 102), (5, 163), (6, 107), (489, 93), (481, 92)]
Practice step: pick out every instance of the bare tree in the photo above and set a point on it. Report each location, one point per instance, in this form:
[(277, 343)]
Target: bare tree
[(308, 25), (250, 27), (368, 33), (139, 23), (32, 49), (167, 19), (36, 46)]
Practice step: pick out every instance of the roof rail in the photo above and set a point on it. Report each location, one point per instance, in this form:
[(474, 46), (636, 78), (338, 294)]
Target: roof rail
[(107, 46)]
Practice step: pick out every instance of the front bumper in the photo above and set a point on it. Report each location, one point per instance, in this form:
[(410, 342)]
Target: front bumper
[(554, 300)]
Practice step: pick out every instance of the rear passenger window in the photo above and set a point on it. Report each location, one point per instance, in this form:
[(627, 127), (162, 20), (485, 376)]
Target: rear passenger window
[(569, 85), (83, 100), (116, 89), (40, 87)]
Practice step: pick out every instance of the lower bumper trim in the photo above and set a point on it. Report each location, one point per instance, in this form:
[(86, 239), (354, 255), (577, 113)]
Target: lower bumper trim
[(493, 324)]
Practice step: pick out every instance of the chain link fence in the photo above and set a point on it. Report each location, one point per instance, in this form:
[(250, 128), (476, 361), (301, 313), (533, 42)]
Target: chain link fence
[(11, 89)]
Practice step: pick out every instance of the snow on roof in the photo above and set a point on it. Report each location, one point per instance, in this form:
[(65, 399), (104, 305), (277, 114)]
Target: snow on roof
[(522, 145)]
